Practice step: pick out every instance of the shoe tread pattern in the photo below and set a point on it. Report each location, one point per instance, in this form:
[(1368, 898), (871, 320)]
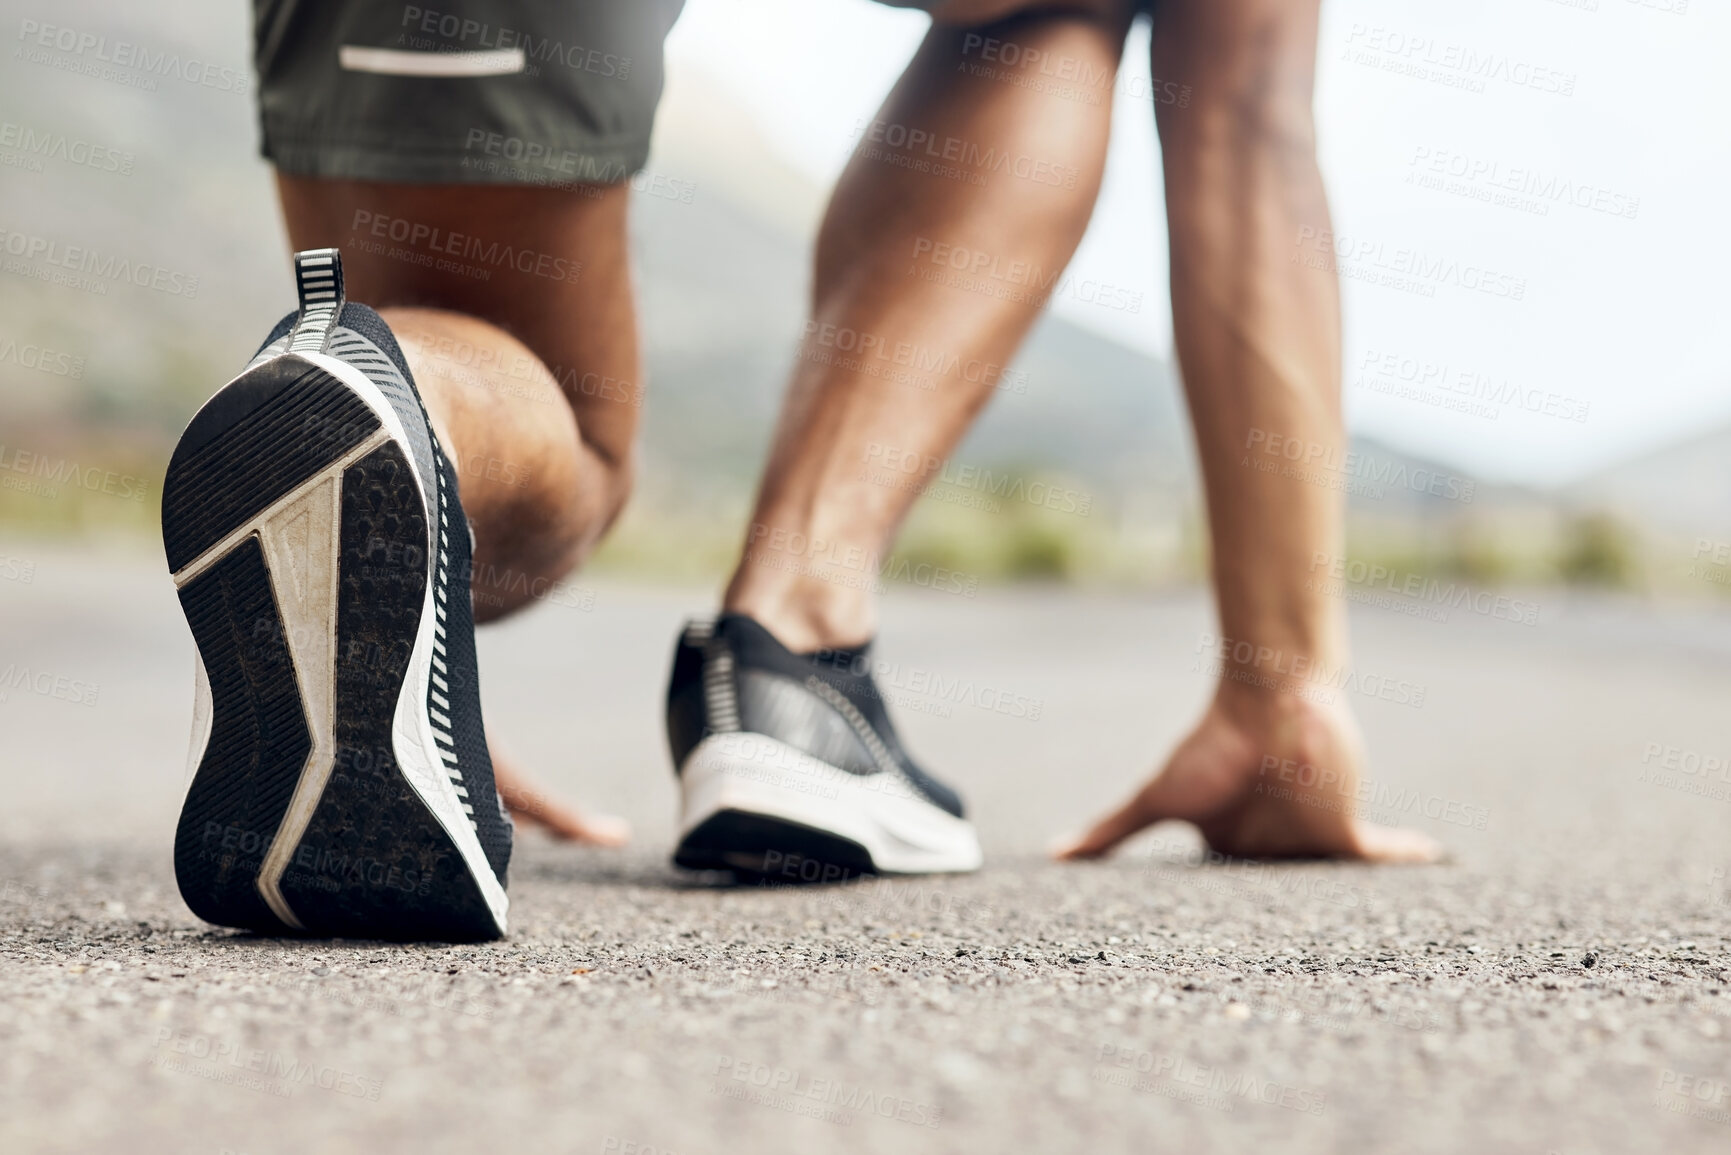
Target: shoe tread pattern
[(258, 742), (257, 440), (374, 861)]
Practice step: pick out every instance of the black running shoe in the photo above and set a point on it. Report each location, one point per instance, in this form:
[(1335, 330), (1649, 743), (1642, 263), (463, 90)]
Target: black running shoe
[(789, 767), (322, 559)]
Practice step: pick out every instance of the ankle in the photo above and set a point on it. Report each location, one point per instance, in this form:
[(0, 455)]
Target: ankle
[(806, 615)]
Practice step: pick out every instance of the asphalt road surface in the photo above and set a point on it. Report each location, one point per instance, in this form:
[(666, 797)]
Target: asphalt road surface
[(1562, 985)]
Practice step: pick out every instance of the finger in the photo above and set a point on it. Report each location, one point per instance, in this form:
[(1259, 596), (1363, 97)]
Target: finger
[(564, 821), (569, 824), (561, 820), (1402, 844), (1136, 814)]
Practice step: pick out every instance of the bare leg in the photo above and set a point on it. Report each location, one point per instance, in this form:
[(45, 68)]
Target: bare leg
[(884, 223), (1258, 336), (530, 381)]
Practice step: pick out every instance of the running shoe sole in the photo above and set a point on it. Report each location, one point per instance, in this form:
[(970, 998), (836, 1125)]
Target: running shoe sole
[(303, 527)]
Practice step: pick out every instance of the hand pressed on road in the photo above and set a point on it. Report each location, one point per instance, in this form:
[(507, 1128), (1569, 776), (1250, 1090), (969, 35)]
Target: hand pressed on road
[(1263, 776)]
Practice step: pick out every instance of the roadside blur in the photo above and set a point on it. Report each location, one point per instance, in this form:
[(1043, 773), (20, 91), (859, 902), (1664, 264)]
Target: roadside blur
[(1080, 473)]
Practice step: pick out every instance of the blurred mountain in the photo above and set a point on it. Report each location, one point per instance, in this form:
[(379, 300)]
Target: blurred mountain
[(724, 299)]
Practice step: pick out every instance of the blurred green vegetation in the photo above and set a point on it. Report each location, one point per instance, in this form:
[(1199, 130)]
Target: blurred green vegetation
[(1599, 551), (1571, 548), (989, 539), (59, 488)]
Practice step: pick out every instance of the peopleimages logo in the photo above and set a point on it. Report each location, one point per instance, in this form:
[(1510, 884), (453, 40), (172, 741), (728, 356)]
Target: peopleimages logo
[(418, 235), (1023, 281), (1543, 188), (44, 476), (1055, 65), (92, 51), (1369, 798), (1313, 460), (795, 552), (536, 50), (326, 869), (47, 684), (1350, 577), (1230, 1087), (868, 347), (891, 676), (1453, 65), (789, 1090), (1703, 774), (17, 569), (188, 1052), (40, 145), (1400, 266), (967, 154), (40, 358), (1463, 388), (80, 262), (1266, 666), (923, 469), (1700, 1097)]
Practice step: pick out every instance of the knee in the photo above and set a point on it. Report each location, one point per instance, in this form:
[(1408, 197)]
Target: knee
[(531, 553), (575, 529)]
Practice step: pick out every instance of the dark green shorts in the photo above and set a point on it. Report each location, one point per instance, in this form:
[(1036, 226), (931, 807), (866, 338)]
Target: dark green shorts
[(460, 91)]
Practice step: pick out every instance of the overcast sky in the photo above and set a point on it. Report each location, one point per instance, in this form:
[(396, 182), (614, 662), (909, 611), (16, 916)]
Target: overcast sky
[(1623, 298)]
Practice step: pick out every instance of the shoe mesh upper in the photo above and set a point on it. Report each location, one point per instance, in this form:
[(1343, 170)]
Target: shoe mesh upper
[(825, 704)]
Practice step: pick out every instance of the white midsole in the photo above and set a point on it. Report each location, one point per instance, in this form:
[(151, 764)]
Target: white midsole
[(312, 645), (203, 714), (754, 773)]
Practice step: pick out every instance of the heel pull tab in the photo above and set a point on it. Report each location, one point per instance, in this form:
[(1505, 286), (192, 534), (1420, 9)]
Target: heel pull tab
[(319, 280)]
